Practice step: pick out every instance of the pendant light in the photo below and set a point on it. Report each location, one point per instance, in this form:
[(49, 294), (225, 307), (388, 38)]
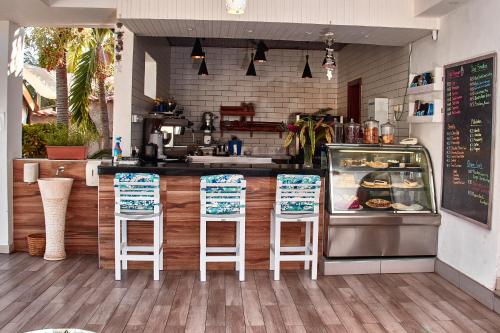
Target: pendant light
[(197, 52), (306, 74), (251, 68), (260, 54), (236, 7), (203, 67)]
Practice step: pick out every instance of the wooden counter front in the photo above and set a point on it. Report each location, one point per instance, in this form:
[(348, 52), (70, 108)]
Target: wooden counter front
[(180, 196), (81, 216)]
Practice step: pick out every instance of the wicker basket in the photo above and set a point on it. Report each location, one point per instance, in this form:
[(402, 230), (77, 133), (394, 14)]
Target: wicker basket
[(36, 245)]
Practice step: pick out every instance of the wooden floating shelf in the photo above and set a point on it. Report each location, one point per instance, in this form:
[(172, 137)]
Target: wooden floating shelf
[(243, 125)]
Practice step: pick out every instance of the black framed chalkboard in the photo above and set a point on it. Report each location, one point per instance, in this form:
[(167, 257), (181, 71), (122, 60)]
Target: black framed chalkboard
[(469, 127)]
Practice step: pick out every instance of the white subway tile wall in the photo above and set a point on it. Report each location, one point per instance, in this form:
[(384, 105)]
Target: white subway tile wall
[(278, 90), (384, 73)]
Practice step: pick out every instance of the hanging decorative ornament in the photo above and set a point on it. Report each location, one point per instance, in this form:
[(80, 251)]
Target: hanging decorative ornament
[(329, 63), (236, 7)]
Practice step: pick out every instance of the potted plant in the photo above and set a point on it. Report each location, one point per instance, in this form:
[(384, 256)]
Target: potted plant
[(67, 143), (309, 133)]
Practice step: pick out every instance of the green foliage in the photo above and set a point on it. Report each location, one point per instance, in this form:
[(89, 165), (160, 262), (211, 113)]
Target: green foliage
[(34, 140), (62, 135), (309, 132), (52, 44), (95, 62)]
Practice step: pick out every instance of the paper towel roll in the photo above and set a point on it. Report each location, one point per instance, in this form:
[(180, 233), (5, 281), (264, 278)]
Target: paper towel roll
[(30, 172)]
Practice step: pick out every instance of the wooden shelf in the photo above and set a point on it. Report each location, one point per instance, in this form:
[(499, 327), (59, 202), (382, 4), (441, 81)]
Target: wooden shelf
[(243, 124)]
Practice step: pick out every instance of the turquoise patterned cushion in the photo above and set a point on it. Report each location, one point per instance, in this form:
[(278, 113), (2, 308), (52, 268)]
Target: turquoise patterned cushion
[(223, 207), (132, 177), (223, 178), (298, 179), (142, 205), (297, 206)]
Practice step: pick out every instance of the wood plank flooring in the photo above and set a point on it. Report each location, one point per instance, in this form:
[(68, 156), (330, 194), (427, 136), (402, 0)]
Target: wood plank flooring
[(37, 294)]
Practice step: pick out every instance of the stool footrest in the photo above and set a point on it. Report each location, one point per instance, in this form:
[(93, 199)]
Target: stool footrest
[(291, 248), (296, 257), (137, 257), (224, 249), (139, 248), (222, 258)]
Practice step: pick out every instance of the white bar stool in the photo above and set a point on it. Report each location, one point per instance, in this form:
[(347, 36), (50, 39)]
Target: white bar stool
[(297, 200), (137, 198), (222, 199)]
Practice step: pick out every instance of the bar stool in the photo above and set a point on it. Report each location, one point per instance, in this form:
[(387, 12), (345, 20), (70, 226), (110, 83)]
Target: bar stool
[(137, 198), (222, 199), (297, 200)]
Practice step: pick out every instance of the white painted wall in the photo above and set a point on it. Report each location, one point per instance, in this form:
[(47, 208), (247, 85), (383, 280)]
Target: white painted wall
[(11, 65), (470, 31)]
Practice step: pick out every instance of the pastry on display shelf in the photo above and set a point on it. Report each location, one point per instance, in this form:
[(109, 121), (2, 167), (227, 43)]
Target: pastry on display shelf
[(378, 203)]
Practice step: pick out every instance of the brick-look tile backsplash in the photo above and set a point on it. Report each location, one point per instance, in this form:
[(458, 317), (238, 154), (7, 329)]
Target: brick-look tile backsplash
[(277, 91)]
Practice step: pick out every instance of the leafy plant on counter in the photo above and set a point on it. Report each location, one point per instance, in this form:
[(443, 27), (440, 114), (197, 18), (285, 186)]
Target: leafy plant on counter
[(62, 135), (309, 132)]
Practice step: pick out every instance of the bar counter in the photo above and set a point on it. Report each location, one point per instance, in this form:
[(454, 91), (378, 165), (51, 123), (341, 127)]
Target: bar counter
[(180, 196)]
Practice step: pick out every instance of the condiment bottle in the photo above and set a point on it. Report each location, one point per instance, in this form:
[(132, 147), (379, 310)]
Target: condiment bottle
[(387, 131), (352, 134), (370, 133)]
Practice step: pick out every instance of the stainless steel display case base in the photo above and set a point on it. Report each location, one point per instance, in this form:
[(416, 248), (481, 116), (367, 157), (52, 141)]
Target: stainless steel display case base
[(381, 235), (376, 266)]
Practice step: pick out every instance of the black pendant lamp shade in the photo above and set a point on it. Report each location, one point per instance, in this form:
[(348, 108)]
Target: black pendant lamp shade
[(203, 68), (251, 68), (307, 70), (260, 54), (197, 52)]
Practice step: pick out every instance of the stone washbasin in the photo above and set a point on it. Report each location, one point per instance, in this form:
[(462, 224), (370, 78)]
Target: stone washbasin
[(55, 193)]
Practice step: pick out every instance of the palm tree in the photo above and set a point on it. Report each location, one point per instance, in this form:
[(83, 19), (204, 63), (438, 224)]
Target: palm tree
[(52, 45), (93, 66)]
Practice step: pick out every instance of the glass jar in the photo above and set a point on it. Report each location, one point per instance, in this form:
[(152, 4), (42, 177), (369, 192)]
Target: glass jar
[(352, 132), (387, 132), (338, 131), (370, 131)]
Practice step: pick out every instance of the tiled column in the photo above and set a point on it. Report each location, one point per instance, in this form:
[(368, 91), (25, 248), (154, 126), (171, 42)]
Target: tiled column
[(11, 66)]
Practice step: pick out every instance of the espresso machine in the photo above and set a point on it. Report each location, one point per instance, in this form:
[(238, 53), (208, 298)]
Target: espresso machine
[(161, 129)]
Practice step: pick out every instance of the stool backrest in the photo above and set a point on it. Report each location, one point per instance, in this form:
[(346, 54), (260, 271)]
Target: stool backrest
[(222, 194), (297, 194), (137, 193)]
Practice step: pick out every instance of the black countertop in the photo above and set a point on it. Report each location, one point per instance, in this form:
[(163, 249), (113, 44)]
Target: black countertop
[(191, 169)]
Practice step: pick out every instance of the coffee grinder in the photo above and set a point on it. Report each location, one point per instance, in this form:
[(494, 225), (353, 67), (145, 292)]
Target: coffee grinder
[(207, 126)]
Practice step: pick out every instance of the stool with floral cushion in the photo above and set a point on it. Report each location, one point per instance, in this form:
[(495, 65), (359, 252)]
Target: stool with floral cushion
[(297, 200), (222, 199), (137, 198)]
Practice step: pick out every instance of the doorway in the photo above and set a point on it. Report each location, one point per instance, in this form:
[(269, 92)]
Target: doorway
[(354, 100)]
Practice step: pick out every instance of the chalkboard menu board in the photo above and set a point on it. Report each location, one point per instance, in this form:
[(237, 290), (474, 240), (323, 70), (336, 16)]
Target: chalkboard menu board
[(468, 138)]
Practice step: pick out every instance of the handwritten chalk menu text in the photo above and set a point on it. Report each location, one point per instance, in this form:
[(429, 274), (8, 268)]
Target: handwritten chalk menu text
[(468, 138)]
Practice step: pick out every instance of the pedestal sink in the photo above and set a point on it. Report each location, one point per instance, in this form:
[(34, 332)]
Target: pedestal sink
[(55, 193)]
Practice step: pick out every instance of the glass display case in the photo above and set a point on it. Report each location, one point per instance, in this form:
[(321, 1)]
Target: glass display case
[(368, 178), (381, 201)]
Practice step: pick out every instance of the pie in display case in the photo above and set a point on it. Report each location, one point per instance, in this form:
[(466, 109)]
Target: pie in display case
[(381, 201)]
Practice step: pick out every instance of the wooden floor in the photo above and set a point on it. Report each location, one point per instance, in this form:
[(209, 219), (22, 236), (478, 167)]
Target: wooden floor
[(73, 293)]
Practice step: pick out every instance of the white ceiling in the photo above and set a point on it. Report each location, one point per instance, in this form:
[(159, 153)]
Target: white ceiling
[(40, 13), (276, 31)]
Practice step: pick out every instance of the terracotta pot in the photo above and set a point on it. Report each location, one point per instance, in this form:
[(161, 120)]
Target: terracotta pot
[(66, 152)]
